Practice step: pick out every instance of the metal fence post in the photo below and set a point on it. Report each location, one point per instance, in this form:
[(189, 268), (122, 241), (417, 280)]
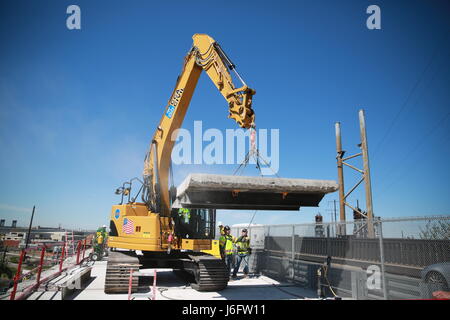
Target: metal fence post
[(354, 281), (78, 251), (383, 271), (130, 282), (293, 251), (63, 251), (17, 276), (328, 241), (154, 284), (84, 247), (41, 264)]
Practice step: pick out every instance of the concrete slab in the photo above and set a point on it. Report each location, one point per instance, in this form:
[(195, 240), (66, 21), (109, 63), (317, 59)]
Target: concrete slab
[(244, 192), (94, 290)]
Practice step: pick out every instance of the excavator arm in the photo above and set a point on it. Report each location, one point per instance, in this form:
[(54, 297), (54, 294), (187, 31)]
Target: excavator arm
[(205, 55)]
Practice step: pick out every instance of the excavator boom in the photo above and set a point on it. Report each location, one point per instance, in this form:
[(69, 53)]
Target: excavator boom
[(205, 55)]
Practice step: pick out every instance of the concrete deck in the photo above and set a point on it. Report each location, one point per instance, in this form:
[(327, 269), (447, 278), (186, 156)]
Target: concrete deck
[(171, 287)]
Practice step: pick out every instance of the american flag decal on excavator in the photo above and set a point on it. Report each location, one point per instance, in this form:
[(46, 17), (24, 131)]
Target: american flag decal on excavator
[(128, 226)]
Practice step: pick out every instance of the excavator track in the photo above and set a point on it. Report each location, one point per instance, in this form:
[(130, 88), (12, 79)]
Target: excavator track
[(204, 272), (210, 273), (118, 272)]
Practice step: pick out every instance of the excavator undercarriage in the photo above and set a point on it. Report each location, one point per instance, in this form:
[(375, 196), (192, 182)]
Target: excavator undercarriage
[(204, 272)]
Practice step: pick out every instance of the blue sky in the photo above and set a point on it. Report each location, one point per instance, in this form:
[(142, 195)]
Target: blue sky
[(78, 107)]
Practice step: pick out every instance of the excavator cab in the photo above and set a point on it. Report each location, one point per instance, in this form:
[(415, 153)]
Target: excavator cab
[(194, 223)]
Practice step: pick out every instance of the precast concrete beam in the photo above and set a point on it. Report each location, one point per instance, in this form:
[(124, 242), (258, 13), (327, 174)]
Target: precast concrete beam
[(243, 192)]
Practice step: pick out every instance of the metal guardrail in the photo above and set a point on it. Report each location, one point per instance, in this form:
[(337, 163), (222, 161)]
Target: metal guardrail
[(19, 277), (410, 252), (399, 249)]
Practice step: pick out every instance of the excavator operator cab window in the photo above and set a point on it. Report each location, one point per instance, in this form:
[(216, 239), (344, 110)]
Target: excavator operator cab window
[(195, 223)]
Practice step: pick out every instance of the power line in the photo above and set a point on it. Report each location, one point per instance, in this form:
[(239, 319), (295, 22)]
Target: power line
[(430, 132), (417, 101), (433, 56)]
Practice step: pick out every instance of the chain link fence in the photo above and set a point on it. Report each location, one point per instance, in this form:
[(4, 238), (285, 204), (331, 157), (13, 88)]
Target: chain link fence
[(403, 258)]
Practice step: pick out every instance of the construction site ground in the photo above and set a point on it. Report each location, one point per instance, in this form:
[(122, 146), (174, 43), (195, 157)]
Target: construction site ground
[(169, 286)]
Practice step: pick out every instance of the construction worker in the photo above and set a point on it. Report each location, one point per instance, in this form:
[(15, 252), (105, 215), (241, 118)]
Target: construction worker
[(101, 236), (185, 214), (359, 225), (222, 232), (99, 244), (319, 226), (222, 240), (243, 251), (227, 248)]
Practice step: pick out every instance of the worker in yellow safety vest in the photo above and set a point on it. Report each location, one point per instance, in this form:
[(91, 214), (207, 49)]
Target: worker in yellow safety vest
[(221, 240), (222, 232), (243, 251), (226, 244), (100, 244), (185, 214)]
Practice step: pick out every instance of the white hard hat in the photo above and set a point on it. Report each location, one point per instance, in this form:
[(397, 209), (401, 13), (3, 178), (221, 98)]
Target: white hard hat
[(104, 226)]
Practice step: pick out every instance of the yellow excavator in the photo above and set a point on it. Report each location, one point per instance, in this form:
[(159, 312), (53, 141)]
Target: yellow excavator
[(155, 234)]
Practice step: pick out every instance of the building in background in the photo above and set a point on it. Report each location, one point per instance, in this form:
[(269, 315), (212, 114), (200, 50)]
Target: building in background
[(16, 236)]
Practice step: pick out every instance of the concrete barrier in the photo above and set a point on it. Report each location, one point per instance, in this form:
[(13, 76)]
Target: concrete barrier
[(75, 282)]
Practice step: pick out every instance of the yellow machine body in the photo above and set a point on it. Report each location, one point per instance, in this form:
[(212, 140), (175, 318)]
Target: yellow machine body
[(139, 229)]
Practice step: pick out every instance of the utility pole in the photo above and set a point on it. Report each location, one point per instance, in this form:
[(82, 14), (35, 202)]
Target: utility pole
[(365, 155), (29, 229), (340, 155), (365, 172), (367, 182)]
